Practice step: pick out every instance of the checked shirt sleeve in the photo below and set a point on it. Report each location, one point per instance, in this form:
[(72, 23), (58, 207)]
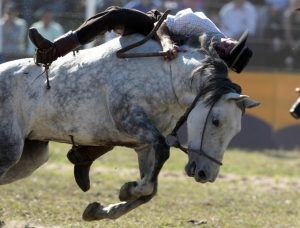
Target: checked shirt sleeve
[(189, 23)]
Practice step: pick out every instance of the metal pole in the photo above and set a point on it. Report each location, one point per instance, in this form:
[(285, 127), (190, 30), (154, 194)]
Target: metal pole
[(1, 27), (90, 10)]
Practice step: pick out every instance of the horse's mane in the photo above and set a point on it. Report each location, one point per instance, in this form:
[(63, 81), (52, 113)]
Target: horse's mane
[(214, 76)]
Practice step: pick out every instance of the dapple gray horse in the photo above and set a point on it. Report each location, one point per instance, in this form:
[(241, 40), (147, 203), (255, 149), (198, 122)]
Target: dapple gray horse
[(101, 100)]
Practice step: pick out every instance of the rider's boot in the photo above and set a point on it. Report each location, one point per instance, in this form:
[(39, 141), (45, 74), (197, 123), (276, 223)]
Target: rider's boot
[(235, 53), (83, 157), (48, 51)]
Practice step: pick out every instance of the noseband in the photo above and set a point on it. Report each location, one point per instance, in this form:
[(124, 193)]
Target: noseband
[(200, 151)]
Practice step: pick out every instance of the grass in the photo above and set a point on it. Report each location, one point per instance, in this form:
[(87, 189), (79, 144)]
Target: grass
[(254, 189)]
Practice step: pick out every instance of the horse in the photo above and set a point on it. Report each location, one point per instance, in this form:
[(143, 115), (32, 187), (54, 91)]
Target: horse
[(102, 100)]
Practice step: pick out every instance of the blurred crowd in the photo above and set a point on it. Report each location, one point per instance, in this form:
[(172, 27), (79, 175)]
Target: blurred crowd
[(273, 25)]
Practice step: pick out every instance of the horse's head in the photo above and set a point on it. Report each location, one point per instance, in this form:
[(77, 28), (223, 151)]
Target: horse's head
[(210, 129), (215, 118)]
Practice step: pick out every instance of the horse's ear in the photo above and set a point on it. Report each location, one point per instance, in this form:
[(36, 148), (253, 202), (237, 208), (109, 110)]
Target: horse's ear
[(245, 100)]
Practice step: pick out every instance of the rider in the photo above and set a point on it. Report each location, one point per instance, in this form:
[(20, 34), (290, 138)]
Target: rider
[(185, 23), (127, 21)]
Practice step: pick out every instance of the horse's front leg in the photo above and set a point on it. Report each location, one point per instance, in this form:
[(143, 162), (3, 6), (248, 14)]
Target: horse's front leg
[(133, 194), (151, 160)]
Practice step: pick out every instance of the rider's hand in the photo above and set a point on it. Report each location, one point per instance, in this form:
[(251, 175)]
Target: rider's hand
[(171, 51)]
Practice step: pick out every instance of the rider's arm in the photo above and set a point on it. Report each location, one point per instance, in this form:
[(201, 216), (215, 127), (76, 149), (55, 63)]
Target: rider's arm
[(163, 37), (189, 23)]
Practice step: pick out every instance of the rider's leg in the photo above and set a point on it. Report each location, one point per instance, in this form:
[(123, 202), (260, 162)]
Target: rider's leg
[(123, 21), (83, 157)]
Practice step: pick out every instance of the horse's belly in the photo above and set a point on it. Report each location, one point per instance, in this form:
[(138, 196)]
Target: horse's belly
[(87, 125), (89, 134)]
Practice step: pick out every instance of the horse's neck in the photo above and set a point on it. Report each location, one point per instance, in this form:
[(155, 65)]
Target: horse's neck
[(182, 70)]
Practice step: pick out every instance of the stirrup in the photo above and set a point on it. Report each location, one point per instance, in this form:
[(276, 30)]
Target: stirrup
[(46, 67)]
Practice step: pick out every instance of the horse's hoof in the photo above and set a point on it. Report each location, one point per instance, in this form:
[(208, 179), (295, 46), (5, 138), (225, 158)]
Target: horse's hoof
[(92, 212), (124, 194)]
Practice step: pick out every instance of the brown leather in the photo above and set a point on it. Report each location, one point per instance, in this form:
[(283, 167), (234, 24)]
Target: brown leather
[(66, 43), (39, 41), (48, 51)]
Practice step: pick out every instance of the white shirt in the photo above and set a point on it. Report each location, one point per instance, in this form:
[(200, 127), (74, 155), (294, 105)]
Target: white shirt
[(234, 20), (189, 23)]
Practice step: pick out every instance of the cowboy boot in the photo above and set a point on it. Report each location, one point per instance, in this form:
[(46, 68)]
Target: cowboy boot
[(83, 157), (235, 54), (48, 51)]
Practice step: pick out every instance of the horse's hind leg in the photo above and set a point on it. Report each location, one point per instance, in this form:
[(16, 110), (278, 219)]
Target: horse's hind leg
[(11, 147), (34, 154)]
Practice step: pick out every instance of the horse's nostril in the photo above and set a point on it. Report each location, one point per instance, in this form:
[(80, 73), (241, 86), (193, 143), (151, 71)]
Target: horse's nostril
[(190, 169), (202, 175), (193, 168)]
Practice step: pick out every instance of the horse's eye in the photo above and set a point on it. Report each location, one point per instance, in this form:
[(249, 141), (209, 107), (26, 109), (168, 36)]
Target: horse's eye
[(216, 122)]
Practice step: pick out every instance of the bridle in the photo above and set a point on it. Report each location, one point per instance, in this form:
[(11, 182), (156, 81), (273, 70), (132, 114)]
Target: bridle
[(172, 138), (201, 151), (181, 121)]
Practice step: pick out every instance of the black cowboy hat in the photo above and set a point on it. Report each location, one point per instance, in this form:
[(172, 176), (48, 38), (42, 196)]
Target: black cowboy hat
[(239, 55)]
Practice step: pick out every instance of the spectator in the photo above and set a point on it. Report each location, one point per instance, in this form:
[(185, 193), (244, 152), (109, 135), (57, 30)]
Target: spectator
[(237, 16), (276, 9), (277, 5), (143, 5), (177, 5), (196, 5), (13, 35), (296, 4), (174, 5), (292, 35), (274, 32), (262, 18), (47, 26), (102, 4)]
